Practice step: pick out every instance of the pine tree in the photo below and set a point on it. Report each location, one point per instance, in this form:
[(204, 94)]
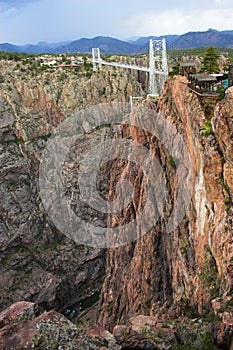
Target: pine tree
[(210, 60)]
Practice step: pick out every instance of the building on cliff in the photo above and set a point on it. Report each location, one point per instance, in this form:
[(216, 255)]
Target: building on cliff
[(230, 75)]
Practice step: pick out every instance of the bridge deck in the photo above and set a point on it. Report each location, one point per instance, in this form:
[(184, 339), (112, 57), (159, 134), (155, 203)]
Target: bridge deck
[(129, 66)]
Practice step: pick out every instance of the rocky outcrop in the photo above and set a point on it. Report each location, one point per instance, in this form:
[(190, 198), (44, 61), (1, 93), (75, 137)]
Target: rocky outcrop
[(26, 326), (145, 332), (18, 312), (181, 272), (49, 330)]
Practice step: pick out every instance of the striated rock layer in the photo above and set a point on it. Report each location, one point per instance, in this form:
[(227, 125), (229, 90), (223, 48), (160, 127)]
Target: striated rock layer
[(168, 275)]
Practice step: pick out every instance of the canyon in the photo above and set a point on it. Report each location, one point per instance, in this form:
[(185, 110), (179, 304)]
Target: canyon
[(153, 293)]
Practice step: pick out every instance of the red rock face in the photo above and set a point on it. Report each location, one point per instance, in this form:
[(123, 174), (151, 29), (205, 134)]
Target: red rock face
[(183, 271)]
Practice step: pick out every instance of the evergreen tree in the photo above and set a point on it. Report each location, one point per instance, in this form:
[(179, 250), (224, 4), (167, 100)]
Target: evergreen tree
[(210, 60)]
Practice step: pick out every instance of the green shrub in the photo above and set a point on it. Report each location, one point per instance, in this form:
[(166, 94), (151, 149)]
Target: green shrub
[(221, 92), (207, 128), (172, 162)]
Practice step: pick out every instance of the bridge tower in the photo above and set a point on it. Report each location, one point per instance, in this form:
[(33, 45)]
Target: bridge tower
[(157, 62), (96, 57)]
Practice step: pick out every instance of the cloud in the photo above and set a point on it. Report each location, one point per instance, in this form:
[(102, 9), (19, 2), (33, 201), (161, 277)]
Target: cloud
[(7, 10), (17, 3), (24, 21), (11, 8), (224, 2), (178, 22)]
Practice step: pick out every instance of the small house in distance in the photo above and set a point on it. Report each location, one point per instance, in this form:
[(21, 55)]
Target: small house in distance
[(203, 82), (189, 65), (204, 86), (187, 68)]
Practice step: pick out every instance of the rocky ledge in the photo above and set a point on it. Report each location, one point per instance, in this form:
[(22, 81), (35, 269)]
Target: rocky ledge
[(24, 325)]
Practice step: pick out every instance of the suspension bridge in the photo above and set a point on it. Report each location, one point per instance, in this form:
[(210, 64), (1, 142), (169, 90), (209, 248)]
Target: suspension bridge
[(157, 70)]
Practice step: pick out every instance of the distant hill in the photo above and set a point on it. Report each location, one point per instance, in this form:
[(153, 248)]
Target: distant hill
[(144, 39), (193, 39), (106, 45), (208, 38), (44, 47), (10, 48), (41, 47), (227, 32), (111, 45)]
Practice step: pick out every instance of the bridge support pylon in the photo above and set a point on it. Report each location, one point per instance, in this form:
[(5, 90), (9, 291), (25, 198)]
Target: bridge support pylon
[(96, 58), (157, 62)]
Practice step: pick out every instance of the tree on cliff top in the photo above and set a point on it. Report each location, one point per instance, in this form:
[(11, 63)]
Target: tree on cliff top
[(210, 60)]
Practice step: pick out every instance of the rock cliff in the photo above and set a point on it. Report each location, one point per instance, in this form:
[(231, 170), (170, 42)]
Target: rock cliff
[(183, 272)]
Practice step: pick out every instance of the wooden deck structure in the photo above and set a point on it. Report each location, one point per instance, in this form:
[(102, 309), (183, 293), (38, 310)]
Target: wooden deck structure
[(203, 93), (204, 85)]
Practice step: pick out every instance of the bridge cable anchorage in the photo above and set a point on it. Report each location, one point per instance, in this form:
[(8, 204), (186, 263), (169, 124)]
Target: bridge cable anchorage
[(158, 66)]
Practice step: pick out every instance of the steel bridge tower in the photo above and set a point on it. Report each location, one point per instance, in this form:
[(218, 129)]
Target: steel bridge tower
[(96, 58), (157, 62)]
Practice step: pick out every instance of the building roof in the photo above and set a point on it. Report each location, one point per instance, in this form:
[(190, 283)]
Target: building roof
[(217, 75), (188, 64), (203, 77)]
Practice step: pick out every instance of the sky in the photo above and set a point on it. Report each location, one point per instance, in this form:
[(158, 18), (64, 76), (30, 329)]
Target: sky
[(31, 21)]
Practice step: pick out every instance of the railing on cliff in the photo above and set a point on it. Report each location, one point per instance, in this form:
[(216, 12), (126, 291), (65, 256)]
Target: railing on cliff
[(203, 92)]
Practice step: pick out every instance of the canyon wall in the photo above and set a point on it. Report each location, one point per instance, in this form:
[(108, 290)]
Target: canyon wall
[(185, 271), (37, 262)]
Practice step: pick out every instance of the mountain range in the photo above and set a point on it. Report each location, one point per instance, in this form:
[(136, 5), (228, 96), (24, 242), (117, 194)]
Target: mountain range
[(112, 45)]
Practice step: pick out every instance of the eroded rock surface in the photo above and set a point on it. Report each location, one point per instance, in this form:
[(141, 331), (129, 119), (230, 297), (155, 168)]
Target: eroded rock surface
[(181, 272)]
